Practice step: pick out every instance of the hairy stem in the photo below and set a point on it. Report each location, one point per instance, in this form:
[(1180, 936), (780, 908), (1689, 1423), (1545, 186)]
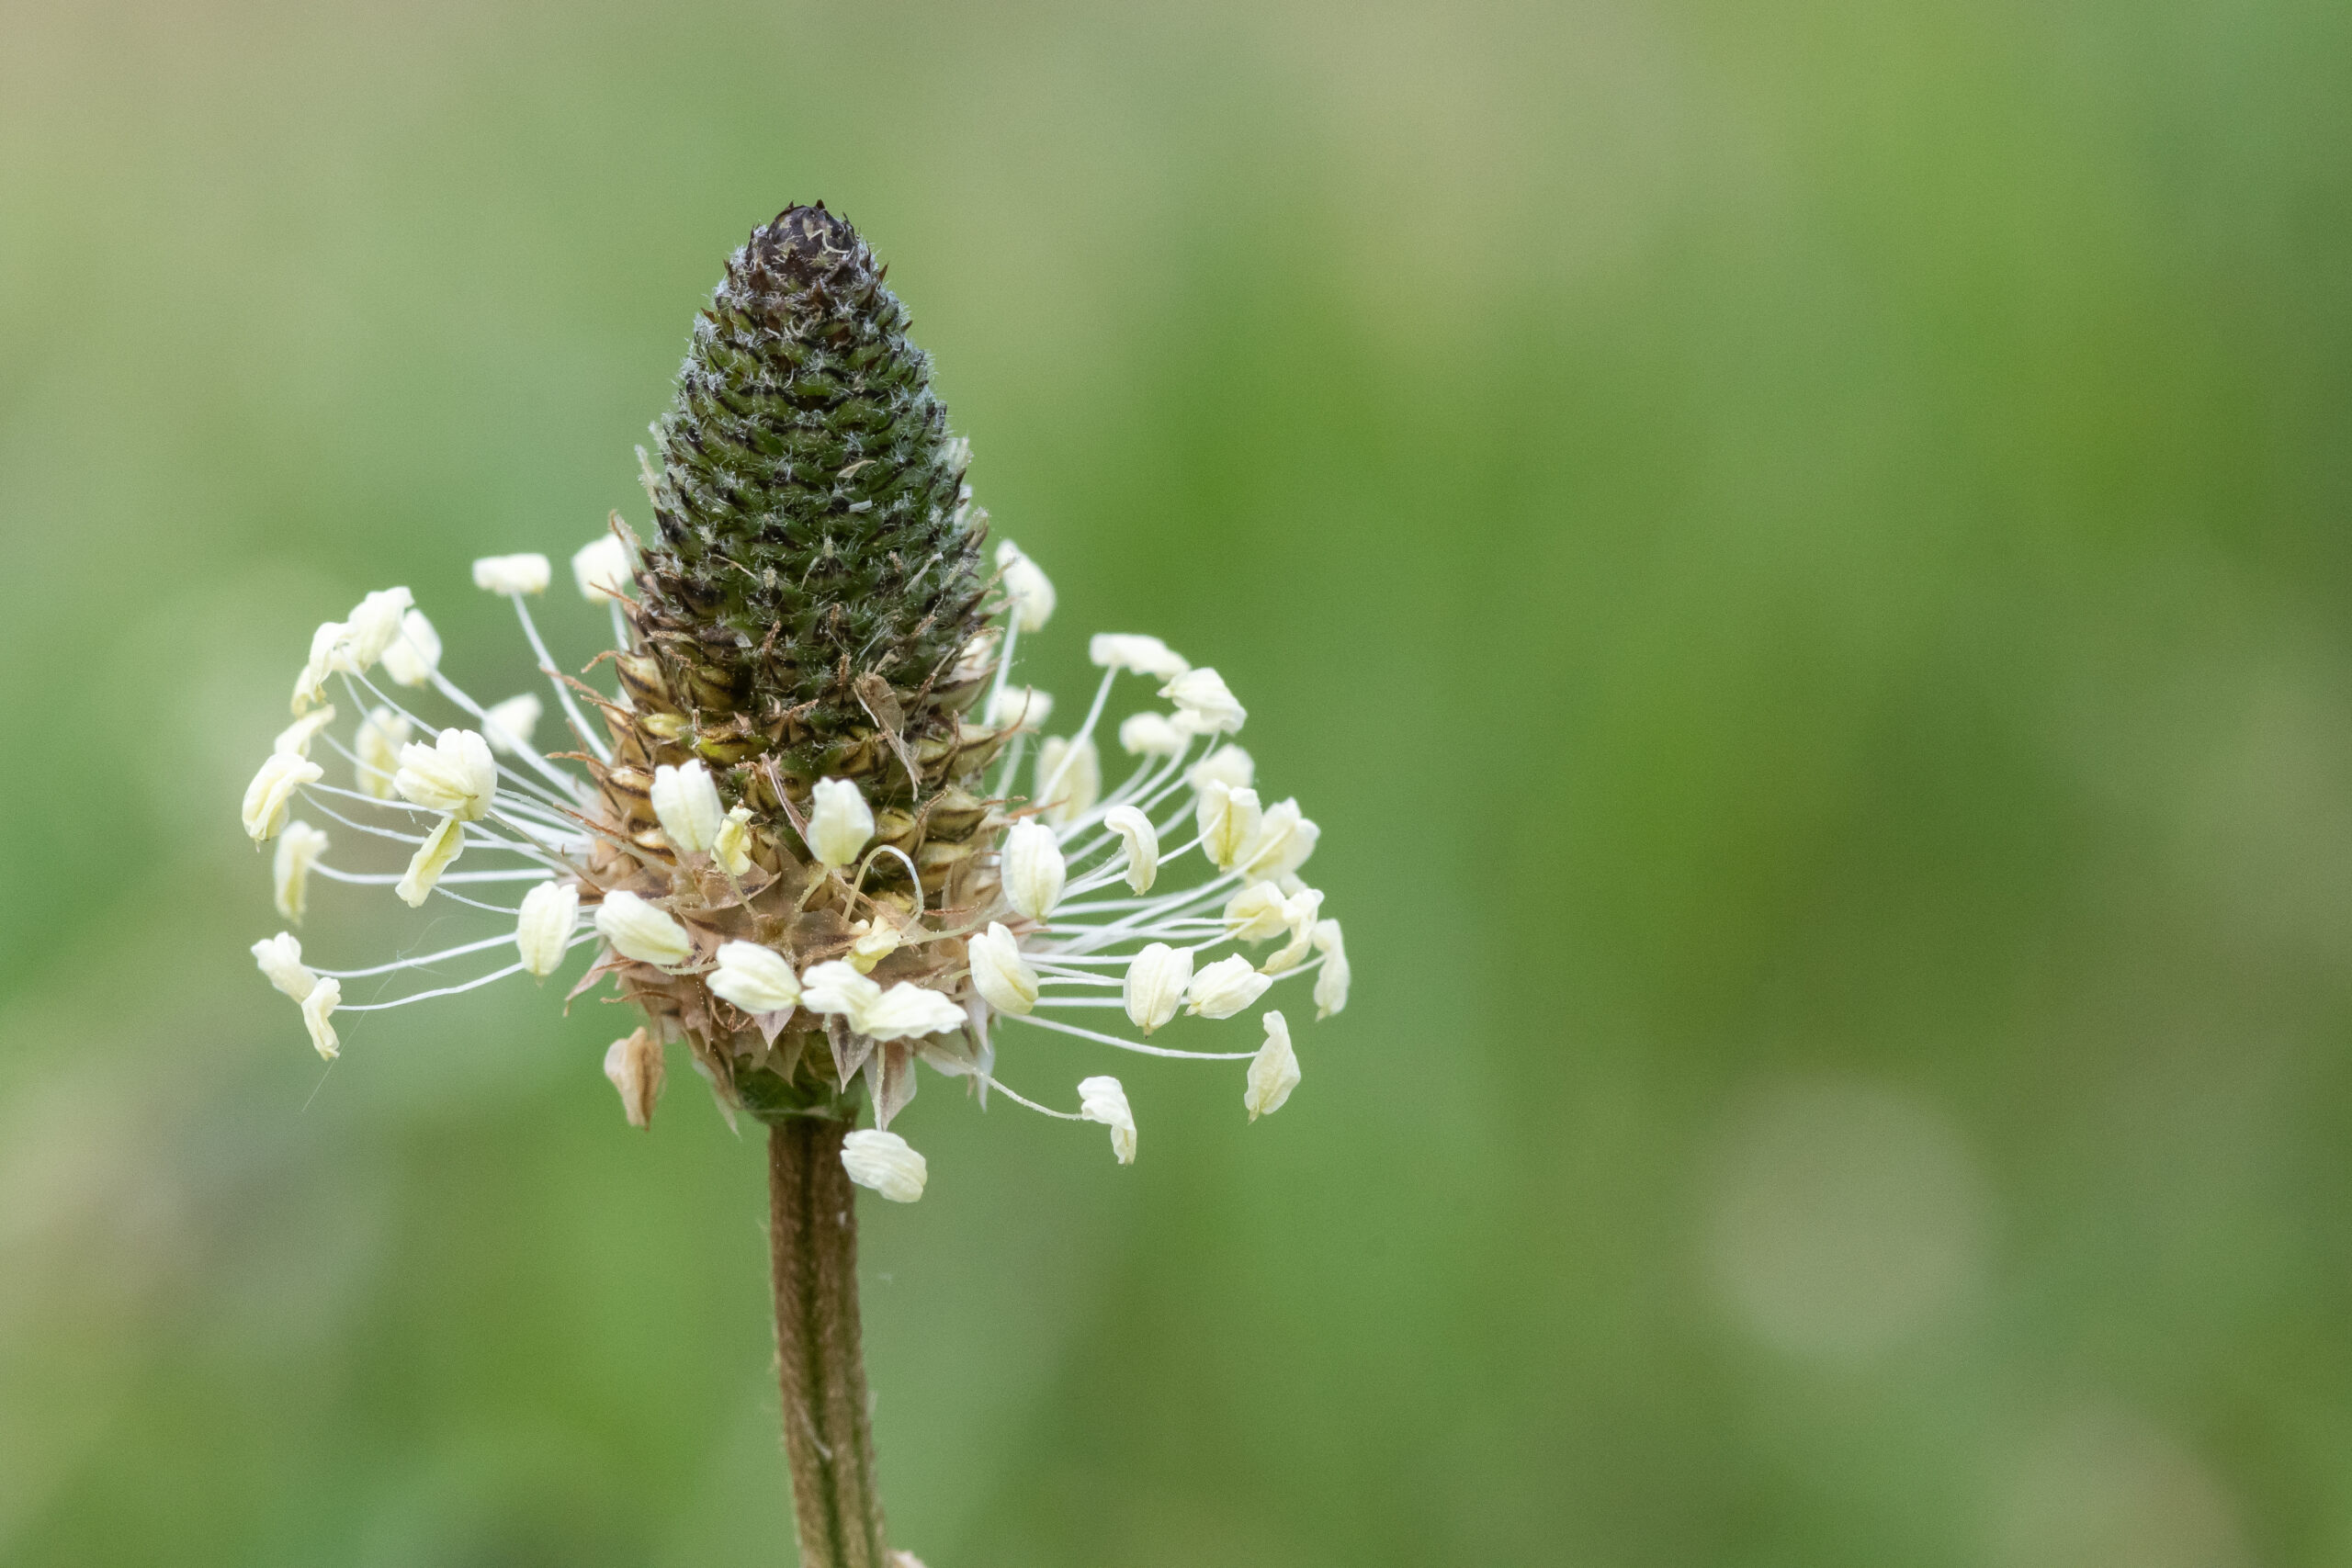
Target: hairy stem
[(820, 1370)]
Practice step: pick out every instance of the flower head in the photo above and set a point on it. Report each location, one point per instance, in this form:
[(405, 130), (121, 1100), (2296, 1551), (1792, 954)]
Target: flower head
[(808, 815)]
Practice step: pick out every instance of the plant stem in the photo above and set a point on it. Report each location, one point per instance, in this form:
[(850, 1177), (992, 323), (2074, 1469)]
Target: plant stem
[(820, 1370)]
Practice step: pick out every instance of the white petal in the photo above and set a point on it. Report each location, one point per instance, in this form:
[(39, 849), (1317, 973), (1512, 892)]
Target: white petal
[(639, 931), (755, 978), (1273, 1072), (543, 929), (885, 1163), (511, 575)]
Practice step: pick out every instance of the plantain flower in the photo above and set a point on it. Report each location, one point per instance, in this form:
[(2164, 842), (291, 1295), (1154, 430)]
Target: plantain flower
[(806, 824)]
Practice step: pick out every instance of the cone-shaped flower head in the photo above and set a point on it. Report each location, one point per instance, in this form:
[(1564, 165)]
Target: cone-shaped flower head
[(816, 559), (804, 789)]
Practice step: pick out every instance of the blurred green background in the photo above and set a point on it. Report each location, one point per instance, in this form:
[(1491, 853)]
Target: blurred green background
[(1799, 552)]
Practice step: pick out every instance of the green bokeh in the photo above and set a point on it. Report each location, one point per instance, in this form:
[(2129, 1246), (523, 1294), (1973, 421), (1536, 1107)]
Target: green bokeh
[(1799, 552)]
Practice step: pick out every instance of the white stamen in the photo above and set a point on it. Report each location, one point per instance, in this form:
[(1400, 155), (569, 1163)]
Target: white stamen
[(757, 979), (1032, 870), (295, 739), (639, 931), (433, 857), (375, 622), (839, 822), (885, 1163), (1003, 980), (411, 658), (1101, 1100), (1018, 706), (1142, 844), (544, 925), (525, 573), (1027, 586), (1201, 697), (1225, 987), (1131, 651), (1149, 734), (1273, 1072), (1229, 765), (268, 796), (686, 802), (280, 958), (299, 848), (455, 774), (1155, 985), (1229, 820), (1070, 779), (1332, 985), (732, 846), (601, 569), (322, 1001), (378, 752), (508, 725)]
